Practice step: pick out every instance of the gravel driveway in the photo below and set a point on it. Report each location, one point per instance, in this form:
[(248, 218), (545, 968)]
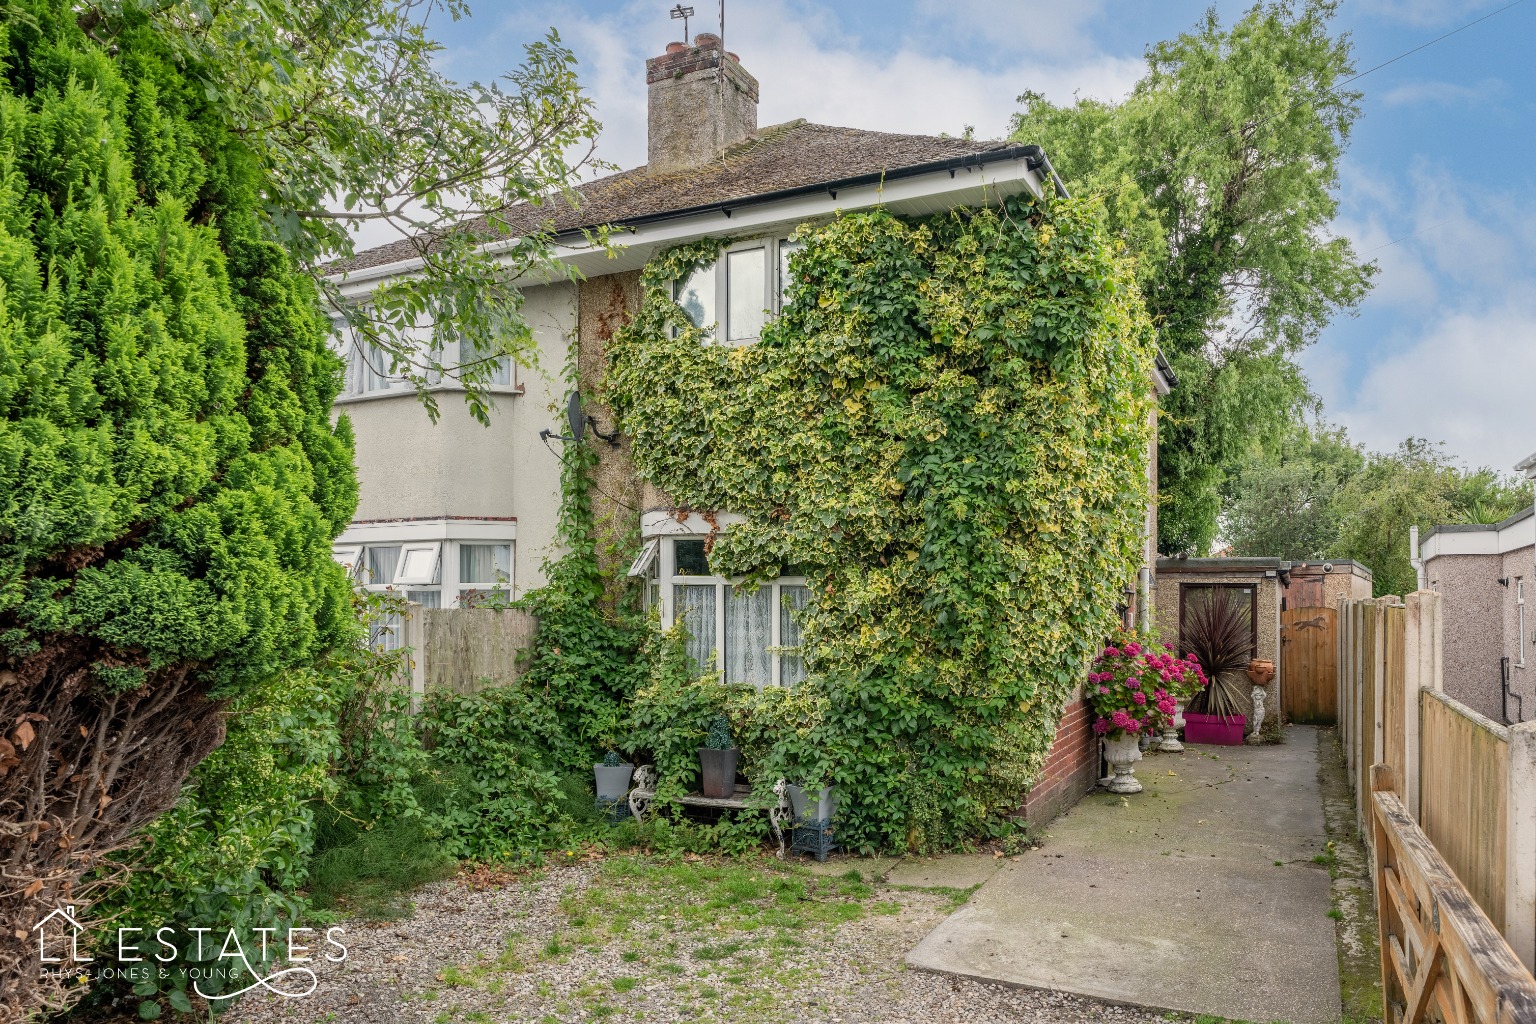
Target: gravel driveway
[(632, 939)]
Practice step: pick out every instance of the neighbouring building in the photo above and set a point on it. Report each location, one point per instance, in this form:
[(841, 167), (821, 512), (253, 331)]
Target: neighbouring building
[(1487, 573), (454, 509)]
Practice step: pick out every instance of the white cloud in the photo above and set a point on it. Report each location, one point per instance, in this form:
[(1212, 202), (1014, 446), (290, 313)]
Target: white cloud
[(1442, 93), (1465, 379)]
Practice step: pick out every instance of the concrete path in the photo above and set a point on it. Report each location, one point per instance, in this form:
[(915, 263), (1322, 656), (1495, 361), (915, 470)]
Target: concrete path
[(1172, 898)]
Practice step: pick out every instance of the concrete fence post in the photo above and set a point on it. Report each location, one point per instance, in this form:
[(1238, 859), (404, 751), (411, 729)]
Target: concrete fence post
[(1378, 683), (414, 636), (1520, 840)]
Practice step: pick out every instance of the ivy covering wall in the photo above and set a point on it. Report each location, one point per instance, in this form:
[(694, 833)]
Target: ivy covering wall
[(947, 429)]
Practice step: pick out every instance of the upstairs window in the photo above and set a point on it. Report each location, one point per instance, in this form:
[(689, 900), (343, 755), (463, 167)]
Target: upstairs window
[(734, 297)]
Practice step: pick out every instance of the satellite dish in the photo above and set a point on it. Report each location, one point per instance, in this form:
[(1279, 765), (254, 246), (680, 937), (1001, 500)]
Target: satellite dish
[(575, 419)]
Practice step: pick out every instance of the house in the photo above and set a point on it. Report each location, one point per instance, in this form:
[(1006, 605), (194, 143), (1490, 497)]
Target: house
[(1487, 573), (454, 509)]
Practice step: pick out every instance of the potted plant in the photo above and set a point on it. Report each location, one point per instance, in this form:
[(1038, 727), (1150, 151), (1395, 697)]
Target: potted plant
[(717, 758), (1132, 692), (612, 777), (1217, 634), (818, 806)]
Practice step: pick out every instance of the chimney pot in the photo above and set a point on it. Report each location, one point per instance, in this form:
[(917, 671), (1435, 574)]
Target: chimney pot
[(676, 47), (733, 56), (708, 40)]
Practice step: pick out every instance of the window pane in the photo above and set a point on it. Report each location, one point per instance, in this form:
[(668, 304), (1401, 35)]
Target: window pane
[(484, 597), (696, 611), (691, 559), (485, 564), (425, 598), (791, 666), (786, 249), (469, 352), (745, 272), (748, 633), (697, 296), (380, 565)]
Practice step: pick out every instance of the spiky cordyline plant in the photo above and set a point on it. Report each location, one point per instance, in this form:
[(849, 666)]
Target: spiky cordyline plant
[(1218, 631)]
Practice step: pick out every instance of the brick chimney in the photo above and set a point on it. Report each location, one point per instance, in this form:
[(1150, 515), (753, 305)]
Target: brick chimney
[(700, 102)]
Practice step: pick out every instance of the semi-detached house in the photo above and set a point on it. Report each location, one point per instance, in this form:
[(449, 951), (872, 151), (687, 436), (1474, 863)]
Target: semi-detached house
[(452, 509)]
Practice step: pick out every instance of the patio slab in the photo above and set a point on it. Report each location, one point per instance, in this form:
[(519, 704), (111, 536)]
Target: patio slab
[(1172, 898)]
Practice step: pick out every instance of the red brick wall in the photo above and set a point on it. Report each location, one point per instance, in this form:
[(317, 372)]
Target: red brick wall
[(1071, 768)]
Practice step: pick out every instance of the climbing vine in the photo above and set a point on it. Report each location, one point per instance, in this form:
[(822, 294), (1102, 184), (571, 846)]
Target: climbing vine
[(946, 428)]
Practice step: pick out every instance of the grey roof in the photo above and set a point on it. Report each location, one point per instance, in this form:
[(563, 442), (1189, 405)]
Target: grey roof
[(1524, 513), (1527, 465), (781, 158)]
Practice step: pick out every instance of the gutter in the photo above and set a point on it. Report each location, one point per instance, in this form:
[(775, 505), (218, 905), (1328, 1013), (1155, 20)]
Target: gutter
[(1035, 159)]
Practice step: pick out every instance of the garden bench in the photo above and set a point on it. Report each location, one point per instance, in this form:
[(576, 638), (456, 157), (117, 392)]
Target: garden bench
[(779, 812)]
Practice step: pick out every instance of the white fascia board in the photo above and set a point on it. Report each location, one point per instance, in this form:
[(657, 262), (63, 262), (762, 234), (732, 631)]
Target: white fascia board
[(1527, 466), (666, 524), (1480, 542), (471, 531), (632, 247)]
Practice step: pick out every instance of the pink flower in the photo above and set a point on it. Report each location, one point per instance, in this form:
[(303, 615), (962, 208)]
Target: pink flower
[(1103, 689), (1167, 705), (1125, 721), (1110, 652), (1159, 694), (1192, 656), (1133, 683), (1133, 648), (1139, 698), (1101, 726), (1167, 647)]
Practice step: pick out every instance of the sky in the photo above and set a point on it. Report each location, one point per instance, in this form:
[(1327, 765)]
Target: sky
[(1436, 185)]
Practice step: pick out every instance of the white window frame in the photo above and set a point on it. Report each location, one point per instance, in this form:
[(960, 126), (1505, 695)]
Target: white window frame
[(670, 580), (426, 577), (719, 329), (448, 534), (349, 557), (641, 566)]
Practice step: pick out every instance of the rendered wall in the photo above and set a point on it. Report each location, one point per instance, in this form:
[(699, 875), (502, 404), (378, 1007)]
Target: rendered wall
[(1474, 627)]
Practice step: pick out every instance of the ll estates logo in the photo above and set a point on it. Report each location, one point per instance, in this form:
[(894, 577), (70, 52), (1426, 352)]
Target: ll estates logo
[(144, 953)]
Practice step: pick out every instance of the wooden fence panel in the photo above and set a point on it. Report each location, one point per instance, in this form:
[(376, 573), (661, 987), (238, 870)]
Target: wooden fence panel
[(1441, 957), (1308, 665), (468, 649), (1463, 784), (1366, 716)]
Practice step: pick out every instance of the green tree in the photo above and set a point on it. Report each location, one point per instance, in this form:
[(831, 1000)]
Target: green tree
[(1284, 503), (1417, 484), (1219, 172), (170, 480)]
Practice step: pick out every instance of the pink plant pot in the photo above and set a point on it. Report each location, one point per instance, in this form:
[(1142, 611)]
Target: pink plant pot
[(1214, 729)]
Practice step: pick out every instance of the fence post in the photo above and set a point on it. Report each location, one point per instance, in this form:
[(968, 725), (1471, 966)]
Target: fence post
[(1520, 839), (1414, 648), (414, 637)]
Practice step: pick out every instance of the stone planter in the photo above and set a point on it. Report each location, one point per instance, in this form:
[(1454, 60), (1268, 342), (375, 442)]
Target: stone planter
[(822, 808), (1122, 750), (718, 778), (612, 780), (1170, 738)]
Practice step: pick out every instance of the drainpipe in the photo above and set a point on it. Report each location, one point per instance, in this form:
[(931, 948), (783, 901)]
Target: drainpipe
[(1144, 599), (1413, 555)]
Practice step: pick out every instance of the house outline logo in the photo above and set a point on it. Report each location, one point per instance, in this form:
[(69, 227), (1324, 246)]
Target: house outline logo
[(68, 913)]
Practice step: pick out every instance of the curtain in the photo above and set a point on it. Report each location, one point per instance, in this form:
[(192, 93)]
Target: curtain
[(748, 634), (793, 599), (696, 611), (485, 565), (380, 565)]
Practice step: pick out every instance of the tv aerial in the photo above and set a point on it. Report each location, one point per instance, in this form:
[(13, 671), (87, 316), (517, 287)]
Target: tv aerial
[(576, 423)]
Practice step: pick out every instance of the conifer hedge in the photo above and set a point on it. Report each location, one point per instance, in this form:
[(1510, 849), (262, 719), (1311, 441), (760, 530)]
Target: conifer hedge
[(170, 481)]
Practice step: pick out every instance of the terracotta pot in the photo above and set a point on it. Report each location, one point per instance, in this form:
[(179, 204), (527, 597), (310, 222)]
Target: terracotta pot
[(1261, 671)]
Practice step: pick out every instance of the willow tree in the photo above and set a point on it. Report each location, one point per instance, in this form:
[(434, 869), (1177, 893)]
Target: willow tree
[(1221, 171)]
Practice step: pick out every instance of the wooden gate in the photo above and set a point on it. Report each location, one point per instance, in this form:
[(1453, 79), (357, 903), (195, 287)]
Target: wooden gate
[(1308, 665)]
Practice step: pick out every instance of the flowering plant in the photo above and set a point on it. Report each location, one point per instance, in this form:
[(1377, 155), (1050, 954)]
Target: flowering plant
[(1135, 685)]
